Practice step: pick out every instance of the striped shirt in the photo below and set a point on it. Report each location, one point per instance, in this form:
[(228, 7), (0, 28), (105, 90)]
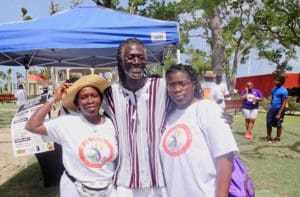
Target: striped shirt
[(138, 118)]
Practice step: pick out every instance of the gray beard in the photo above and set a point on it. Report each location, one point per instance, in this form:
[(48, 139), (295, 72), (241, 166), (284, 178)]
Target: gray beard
[(129, 75)]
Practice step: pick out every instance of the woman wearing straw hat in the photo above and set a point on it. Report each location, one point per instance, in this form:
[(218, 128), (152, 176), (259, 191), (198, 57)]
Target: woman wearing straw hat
[(88, 140)]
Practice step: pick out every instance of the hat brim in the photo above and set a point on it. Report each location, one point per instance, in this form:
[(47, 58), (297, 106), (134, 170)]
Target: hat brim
[(69, 94), (210, 76)]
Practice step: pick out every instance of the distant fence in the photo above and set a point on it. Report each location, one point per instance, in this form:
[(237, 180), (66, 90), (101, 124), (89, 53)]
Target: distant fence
[(233, 104), (7, 98)]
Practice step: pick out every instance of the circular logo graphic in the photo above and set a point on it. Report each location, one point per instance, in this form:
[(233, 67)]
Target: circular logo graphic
[(250, 97), (177, 140), (95, 152)]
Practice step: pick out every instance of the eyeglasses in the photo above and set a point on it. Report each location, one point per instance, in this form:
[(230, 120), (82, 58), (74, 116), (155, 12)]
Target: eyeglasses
[(181, 85)]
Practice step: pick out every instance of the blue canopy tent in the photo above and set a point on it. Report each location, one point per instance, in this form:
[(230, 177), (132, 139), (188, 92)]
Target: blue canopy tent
[(83, 37)]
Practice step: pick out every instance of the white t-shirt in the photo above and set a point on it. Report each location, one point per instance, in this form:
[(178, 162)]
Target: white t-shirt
[(193, 138), (21, 96), (224, 88), (89, 150), (213, 92)]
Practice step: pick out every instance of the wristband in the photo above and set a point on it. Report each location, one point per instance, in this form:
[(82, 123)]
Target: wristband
[(51, 101)]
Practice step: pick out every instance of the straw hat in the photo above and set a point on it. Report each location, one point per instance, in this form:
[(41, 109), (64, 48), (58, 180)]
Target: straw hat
[(86, 81), (209, 74)]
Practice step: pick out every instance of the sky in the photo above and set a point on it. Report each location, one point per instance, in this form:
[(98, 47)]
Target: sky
[(11, 12)]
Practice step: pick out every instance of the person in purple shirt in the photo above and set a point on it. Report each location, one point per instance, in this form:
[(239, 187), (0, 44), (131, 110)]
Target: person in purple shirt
[(276, 111), (250, 97)]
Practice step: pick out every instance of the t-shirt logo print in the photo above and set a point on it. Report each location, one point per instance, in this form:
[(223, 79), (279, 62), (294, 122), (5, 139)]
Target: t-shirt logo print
[(206, 93), (177, 140), (95, 152)]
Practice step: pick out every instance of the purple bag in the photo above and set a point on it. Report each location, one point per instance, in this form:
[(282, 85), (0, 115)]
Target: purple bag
[(241, 185)]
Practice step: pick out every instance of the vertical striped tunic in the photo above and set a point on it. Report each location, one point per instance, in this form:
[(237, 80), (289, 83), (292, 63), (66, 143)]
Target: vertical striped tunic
[(138, 118)]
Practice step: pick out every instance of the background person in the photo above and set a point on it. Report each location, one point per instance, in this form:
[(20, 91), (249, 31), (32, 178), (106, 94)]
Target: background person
[(88, 140), (210, 90), (276, 110), (251, 97), (197, 147), (21, 96), (223, 86)]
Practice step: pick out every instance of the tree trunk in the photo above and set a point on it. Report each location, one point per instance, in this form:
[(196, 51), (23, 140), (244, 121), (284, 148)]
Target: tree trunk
[(218, 47), (232, 81)]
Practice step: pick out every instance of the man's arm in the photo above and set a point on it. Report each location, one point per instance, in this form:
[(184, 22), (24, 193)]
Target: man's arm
[(282, 107)]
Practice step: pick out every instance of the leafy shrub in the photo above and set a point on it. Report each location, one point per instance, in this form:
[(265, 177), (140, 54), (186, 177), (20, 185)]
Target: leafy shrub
[(293, 105)]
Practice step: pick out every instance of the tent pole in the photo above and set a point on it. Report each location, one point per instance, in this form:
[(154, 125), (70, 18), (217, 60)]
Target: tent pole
[(27, 83)]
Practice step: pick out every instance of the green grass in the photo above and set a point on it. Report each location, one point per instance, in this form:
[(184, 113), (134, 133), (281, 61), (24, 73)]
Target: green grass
[(273, 168), (7, 112), (28, 183)]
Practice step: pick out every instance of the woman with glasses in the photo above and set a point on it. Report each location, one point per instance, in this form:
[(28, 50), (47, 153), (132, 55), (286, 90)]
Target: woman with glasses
[(197, 146), (250, 97)]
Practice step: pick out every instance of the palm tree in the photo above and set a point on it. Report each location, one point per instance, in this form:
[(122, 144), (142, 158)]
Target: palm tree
[(9, 80), (19, 76), (3, 76)]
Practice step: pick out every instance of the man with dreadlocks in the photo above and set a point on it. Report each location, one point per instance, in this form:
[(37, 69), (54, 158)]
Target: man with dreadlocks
[(137, 107)]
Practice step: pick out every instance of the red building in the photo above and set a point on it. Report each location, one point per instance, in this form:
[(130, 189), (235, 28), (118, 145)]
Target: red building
[(265, 83)]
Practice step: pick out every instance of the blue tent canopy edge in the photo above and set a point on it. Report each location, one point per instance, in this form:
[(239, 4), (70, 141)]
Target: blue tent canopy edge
[(83, 36)]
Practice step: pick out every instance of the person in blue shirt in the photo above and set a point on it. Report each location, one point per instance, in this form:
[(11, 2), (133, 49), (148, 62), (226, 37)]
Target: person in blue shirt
[(276, 111)]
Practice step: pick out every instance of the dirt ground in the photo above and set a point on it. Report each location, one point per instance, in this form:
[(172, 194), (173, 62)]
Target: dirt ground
[(9, 164)]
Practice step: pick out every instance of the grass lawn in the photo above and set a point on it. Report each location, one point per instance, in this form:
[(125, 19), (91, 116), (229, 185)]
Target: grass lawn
[(7, 111), (273, 168)]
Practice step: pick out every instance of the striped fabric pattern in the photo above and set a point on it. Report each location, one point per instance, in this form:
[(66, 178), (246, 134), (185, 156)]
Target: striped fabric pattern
[(138, 118)]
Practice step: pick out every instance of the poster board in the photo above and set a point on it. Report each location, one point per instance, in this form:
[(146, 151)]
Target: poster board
[(24, 142)]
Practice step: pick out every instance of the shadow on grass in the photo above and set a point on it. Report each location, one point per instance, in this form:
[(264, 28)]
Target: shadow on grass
[(273, 168), (240, 133), (27, 183), (278, 150)]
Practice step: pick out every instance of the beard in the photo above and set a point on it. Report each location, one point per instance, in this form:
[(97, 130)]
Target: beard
[(135, 72)]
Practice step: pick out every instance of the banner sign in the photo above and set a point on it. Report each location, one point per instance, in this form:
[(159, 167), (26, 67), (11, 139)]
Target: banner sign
[(23, 141)]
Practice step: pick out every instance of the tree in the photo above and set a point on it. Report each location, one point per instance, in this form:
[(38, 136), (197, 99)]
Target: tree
[(159, 9), (75, 3), (54, 7), (238, 36), (45, 73), (24, 15), (107, 3), (278, 31), (3, 76), (205, 16), (9, 80), (19, 76)]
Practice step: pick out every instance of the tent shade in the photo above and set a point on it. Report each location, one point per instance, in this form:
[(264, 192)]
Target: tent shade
[(83, 36)]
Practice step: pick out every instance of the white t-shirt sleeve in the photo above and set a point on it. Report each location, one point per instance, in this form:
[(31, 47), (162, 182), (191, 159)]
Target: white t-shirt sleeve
[(216, 131), (54, 129)]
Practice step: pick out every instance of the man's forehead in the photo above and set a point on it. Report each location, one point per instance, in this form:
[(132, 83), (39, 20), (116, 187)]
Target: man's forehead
[(134, 46)]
